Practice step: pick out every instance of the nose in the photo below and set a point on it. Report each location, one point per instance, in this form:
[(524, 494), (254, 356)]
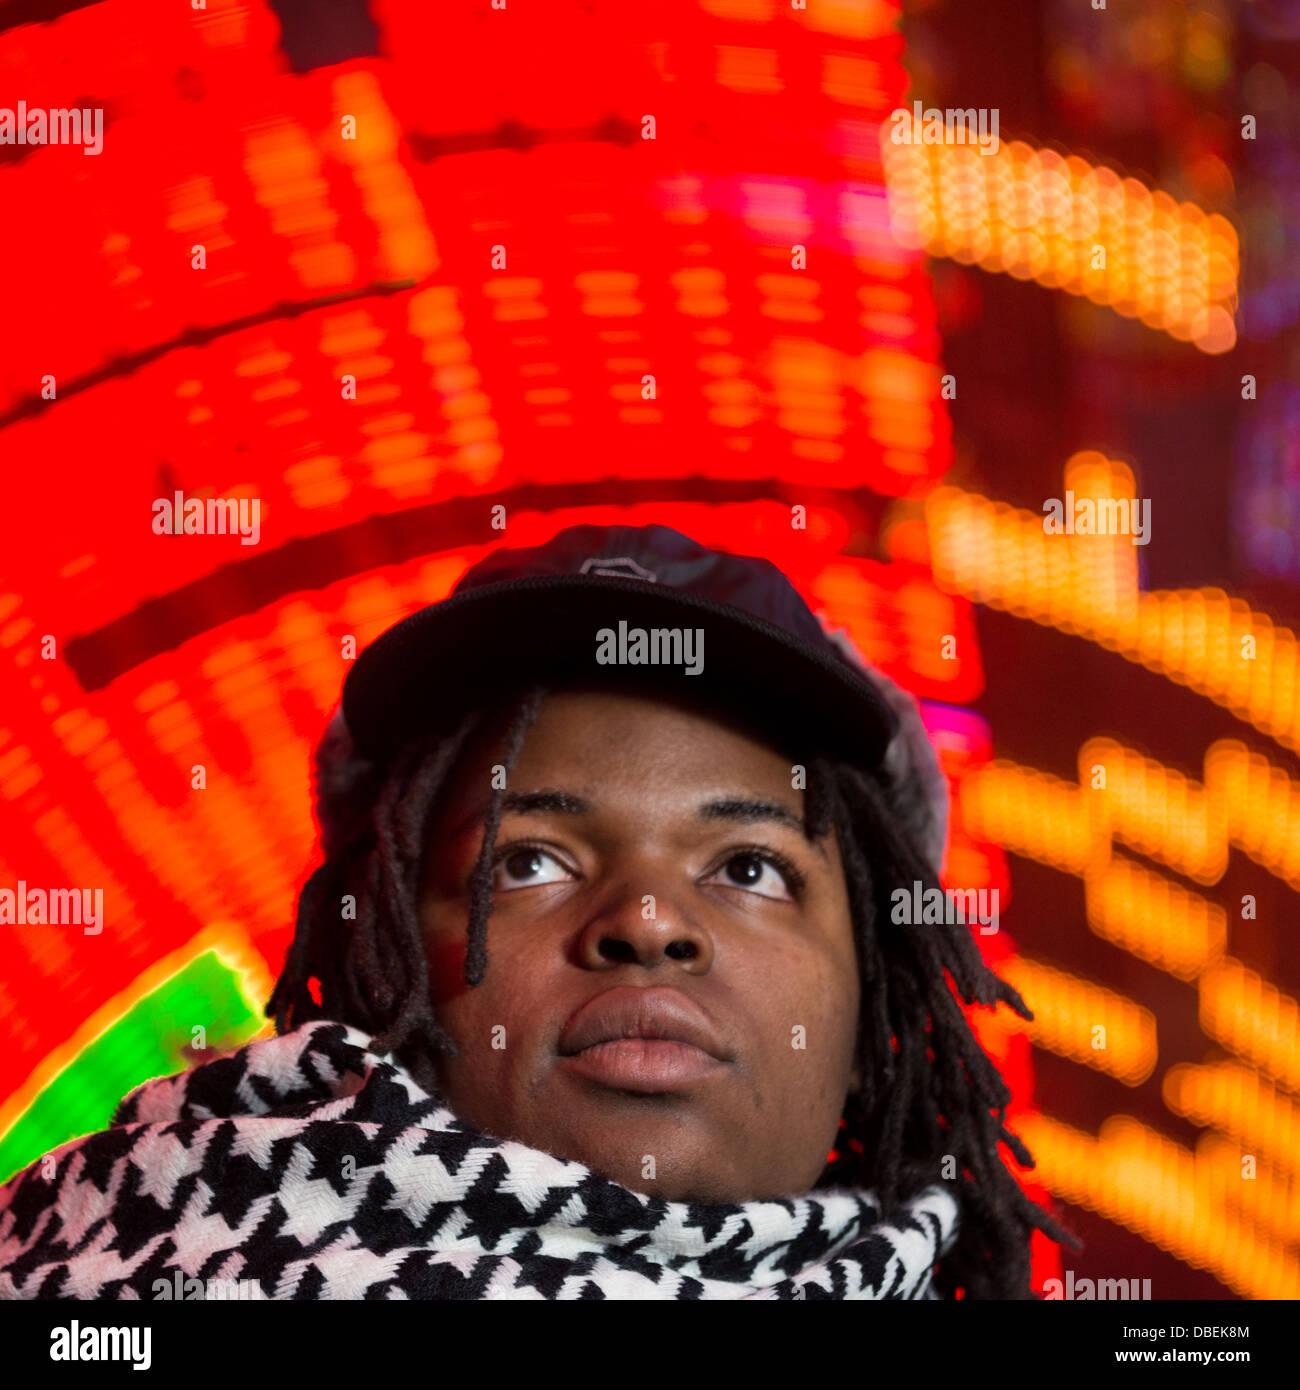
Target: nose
[(640, 926)]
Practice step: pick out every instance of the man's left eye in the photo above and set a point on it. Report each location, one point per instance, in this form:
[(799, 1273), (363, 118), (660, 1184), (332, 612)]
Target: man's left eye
[(755, 873), (525, 868)]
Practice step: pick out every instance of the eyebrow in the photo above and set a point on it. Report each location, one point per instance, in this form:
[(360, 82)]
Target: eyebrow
[(747, 810), (546, 803)]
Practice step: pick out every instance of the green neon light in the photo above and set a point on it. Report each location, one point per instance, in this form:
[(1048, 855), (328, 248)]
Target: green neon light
[(145, 1042)]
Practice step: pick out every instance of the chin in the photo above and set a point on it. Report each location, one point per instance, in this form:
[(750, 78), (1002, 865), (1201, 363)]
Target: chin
[(705, 1189)]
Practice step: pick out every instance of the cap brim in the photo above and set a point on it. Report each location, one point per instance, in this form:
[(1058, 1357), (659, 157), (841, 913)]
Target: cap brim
[(424, 674)]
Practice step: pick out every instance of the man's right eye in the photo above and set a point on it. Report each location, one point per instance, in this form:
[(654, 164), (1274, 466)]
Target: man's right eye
[(526, 867)]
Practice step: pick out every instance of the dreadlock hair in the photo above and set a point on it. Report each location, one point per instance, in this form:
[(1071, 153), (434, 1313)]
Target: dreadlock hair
[(929, 1091)]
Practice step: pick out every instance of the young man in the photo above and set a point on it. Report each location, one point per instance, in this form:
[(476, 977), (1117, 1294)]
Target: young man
[(683, 808)]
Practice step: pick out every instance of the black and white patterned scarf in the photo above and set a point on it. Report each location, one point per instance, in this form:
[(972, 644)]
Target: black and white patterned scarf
[(307, 1167)]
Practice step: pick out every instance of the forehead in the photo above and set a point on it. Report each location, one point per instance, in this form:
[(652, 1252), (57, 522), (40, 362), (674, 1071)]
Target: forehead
[(597, 738)]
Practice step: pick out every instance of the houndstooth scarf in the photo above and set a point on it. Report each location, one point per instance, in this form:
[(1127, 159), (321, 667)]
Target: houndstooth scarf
[(307, 1167)]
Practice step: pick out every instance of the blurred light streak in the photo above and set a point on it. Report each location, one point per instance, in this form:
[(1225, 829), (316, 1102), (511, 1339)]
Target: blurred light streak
[(212, 988), (1268, 1196), (1244, 802), (1086, 585), (1238, 1101), (1152, 917), (1252, 1018), (1069, 225), (1083, 1021), (1132, 1175)]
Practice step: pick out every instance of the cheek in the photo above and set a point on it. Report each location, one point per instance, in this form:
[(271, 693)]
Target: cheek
[(447, 972), (843, 984), (510, 997), (469, 1014), (817, 995), (837, 996)]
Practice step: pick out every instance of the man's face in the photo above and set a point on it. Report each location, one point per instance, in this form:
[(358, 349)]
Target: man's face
[(644, 865)]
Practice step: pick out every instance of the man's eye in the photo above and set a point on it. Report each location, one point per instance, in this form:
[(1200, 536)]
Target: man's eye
[(757, 873), (525, 868)]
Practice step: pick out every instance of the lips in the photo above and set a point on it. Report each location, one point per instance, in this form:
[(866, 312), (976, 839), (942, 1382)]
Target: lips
[(628, 1012)]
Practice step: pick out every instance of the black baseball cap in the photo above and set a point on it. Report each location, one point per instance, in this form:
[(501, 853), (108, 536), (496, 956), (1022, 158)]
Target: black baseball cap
[(561, 611)]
